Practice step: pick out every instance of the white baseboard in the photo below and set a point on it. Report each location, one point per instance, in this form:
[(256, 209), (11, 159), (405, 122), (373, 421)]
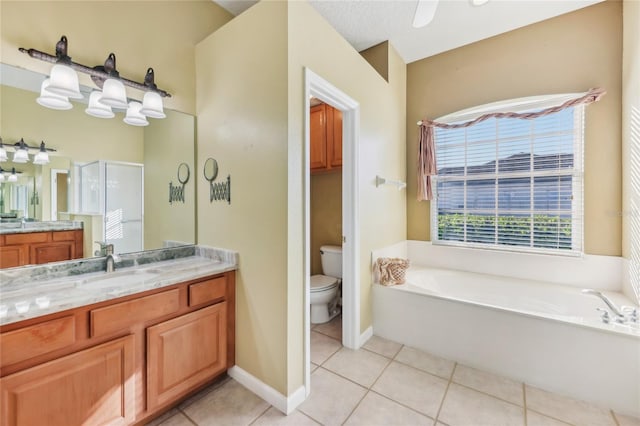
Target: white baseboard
[(365, 336), (285, 404)]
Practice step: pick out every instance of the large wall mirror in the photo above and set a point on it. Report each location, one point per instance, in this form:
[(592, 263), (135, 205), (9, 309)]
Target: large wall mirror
[(113, 177)]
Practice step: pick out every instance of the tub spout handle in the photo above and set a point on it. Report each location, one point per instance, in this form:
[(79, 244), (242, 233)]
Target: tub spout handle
[(614, 309), (605, 315)]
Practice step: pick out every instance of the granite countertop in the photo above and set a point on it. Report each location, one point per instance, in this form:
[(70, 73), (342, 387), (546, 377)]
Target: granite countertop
[(20, 301), (38, 226)]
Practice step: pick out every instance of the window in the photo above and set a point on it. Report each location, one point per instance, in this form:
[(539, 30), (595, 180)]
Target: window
[(511, 183)]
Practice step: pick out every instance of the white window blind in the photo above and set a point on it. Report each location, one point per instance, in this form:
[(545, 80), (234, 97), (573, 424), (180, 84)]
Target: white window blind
[(511, 183)]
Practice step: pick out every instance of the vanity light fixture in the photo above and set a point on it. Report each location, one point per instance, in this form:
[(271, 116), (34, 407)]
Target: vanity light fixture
[(13, 177), (1, 176), (21, 152), (21, 155), (42, 157), (134, 117), (63, 83), (3, 152)]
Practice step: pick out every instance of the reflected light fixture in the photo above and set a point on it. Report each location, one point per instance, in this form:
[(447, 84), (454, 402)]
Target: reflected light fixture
[(21, 155), (479, 2), (97, 108), (13, 177), (51, 100), (1, 176), (63, 82), (42, 157), (3, 152), (134, 117)]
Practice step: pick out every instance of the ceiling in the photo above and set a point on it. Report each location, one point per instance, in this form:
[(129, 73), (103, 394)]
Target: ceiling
[(365, 23)]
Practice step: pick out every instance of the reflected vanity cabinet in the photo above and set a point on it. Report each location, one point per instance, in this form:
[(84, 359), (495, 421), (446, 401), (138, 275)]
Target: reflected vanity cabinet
[(118, 362), (34, 248), (325, 133)]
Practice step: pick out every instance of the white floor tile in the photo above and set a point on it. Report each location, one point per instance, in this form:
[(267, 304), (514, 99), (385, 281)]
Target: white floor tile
[(567, 409), (177, 419), (376, 410), (382, 346), (537, 419), (463, 406), (426, 362), (332, 398), (322, 347), (421, 391), (627, 420), (229, 404), (363, 367), (332, 328), (274, 417), (495, 385)]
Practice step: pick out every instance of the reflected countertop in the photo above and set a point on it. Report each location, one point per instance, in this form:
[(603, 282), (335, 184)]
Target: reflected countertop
[(18, 227), (21, 301)]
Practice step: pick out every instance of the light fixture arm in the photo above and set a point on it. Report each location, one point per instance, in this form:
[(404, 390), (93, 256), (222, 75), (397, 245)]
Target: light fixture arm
[(98, 73)]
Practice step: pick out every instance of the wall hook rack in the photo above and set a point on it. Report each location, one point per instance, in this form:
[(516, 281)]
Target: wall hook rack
[(382, 181)]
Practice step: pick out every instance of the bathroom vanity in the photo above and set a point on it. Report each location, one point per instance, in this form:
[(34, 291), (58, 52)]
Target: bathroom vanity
[(34, 243), (115, 348)]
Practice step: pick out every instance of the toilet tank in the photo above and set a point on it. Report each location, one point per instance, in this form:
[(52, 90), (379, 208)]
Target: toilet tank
[(331, 257)]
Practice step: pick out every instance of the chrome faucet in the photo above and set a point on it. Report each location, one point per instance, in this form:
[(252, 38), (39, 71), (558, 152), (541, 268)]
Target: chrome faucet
[(111, 258), (621, 315)]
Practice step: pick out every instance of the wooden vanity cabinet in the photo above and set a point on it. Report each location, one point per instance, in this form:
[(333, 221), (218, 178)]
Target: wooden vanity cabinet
[(34, 248), (123, 361), (325, 139)]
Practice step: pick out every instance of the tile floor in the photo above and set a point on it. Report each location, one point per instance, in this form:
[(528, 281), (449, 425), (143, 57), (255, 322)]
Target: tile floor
[(386, 383)]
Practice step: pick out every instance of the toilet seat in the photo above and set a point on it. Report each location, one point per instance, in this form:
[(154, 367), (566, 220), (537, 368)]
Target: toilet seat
[(322, 282)]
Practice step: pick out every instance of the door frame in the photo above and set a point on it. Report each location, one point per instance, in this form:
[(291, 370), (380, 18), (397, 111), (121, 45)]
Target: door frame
[(318, 87), (54, 191)]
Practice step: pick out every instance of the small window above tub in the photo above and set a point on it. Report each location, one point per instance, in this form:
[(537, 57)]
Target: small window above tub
[(511, 183)]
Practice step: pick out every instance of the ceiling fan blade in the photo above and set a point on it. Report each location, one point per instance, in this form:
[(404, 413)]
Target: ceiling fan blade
[(425, 11)]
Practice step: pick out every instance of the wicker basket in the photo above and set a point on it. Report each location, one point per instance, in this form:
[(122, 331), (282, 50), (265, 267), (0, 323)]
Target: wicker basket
[(392, 270)]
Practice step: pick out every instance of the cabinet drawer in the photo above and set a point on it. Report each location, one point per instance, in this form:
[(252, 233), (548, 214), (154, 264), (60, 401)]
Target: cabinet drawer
[(37, 339), (31, 237), (122, 315), (64, 236), (207, 291)]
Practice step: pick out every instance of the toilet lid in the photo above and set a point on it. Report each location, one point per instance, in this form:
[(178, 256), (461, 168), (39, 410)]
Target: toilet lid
[(322, 282)]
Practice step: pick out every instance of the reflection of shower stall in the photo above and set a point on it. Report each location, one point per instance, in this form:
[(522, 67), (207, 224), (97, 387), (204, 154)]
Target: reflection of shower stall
[(115, 191)]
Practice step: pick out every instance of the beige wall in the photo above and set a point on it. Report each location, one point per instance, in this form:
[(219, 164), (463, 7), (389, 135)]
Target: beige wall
[(381, 219), (569, 53), (326, 214), (250, 108), (241, 83), (378, 58), (631, 145), (167, 143), (142, 34)]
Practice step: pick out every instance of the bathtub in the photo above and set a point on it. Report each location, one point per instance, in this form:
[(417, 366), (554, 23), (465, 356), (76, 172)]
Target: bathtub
[(543, 333)]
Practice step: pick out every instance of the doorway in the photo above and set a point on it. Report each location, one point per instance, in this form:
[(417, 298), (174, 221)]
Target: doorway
[(317, 87), (59, 192)]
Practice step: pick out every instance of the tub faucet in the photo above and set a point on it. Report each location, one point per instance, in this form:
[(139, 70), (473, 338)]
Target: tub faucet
[(617, 313), (111, 258)]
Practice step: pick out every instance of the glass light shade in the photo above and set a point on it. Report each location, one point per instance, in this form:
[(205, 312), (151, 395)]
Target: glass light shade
[(13, 177), (64, 82), (20, 156), (51, 100), (97, 108), (152, 105), (113, 94), (1, 177), (42, 157), (3, 154), (134, 117)]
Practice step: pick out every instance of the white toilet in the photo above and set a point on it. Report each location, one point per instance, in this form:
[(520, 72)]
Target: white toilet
[(324, 288)]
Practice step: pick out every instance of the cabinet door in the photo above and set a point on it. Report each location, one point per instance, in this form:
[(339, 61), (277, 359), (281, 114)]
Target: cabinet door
[(185, 352), (335, 150), (12, 256), (53, 252), (94, 386), (318, 138)]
